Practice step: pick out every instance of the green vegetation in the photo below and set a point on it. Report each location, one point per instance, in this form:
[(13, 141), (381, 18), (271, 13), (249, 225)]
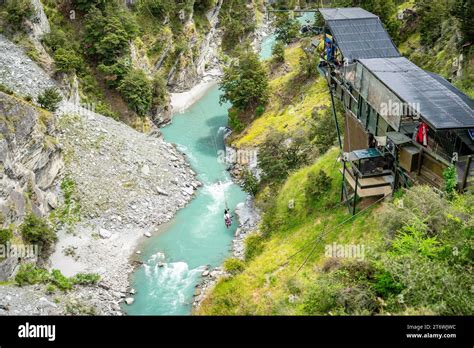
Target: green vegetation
[(234, 266), (417, 255), (287, 30), (29, 274), (6, 234), (317, 185), (250, 183), (36, 230), (137, 91), (245, 82), (450, 180), (15, 11), (278, 157), (50, 99), (237, 22), (278, 52), (69, 212)]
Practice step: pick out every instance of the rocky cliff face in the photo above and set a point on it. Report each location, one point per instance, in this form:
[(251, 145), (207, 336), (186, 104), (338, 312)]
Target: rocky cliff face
[(30, 158), (190, 67), (30, 164), (125, 183)]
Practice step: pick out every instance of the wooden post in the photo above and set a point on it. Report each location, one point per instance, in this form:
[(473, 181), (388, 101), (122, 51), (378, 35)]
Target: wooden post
[(467, 170)]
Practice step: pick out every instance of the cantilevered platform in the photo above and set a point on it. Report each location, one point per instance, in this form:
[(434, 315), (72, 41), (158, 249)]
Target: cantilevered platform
[(369, 187)]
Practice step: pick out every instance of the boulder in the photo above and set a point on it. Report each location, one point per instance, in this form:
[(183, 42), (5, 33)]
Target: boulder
[(105, 234)]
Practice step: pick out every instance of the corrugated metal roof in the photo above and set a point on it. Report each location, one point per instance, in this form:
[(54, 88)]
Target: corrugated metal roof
[(442, 107), (345, 13), (362, 38)]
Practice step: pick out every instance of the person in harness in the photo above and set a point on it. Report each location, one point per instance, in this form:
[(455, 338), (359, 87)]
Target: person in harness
[(227, 218)]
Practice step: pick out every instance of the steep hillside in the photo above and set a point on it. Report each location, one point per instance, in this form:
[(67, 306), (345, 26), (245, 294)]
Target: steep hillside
[(83, 186), (410, 254), (122, 61), (310, 257)]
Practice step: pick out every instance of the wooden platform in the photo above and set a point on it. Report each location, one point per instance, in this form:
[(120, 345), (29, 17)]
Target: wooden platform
[(368, 187)]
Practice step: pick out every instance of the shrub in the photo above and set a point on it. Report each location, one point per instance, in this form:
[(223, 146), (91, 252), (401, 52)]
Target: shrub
[(86, 279), (67, 60), (36, 230), (235, 123), (278, 52), (5, 235), (137, 91), (160, 92), (356, 300), (18, 10), (250, 183), (316, 185), (321, 298), (29, 274), (420, 203), (60, 281), (385, 285), (450, 181), (253, 246), (234, 266), (50, 99)]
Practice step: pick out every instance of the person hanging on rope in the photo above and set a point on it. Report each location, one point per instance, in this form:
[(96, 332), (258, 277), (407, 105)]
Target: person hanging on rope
[(227, 218)]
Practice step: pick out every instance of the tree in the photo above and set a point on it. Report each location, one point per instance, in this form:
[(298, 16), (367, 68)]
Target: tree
[(279, 155), (237, 21), (431, 14), (310, 60), (463, 10), (108, 33), (323, 130), (245, 82), (137, 91), (287, 30), (68, 60), (50, 99), (157, 8), (278, 52)]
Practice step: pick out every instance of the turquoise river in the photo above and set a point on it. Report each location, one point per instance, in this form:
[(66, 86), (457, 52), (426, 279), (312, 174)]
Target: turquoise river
[(196, 238)]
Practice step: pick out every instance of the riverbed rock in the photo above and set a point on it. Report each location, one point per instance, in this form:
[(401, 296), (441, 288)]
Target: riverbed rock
[(129, 300), (105, 234)]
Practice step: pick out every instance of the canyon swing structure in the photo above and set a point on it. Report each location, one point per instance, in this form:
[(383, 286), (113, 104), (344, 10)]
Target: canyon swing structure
[(402, 124)]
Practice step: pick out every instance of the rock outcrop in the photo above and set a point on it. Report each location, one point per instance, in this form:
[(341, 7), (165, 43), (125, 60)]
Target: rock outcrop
[(30, 164)]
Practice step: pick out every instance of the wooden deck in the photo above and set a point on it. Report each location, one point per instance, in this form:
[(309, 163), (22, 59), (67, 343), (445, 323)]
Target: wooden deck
[(369, 187)]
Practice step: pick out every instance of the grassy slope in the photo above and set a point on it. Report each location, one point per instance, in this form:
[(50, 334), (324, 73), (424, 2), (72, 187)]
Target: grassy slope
[(267, 281), (286, 115)]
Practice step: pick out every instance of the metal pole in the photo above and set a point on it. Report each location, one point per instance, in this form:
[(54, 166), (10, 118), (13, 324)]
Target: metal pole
[(335, 114), (355, 194), (466, 172)]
